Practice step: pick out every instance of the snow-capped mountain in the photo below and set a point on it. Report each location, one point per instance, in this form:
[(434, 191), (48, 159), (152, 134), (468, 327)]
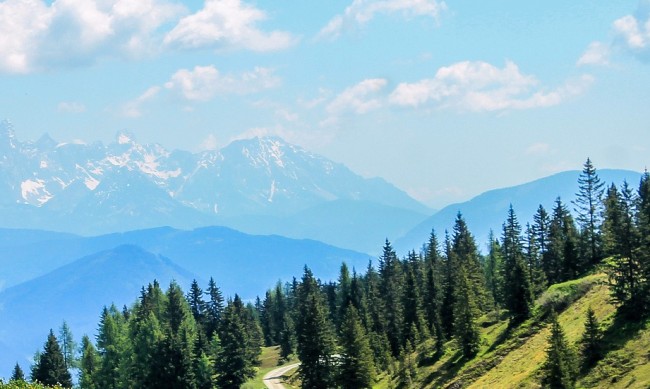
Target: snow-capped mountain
[(96, 188)]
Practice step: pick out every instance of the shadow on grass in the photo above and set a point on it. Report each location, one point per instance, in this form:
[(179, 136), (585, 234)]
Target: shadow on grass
[(446, 372)]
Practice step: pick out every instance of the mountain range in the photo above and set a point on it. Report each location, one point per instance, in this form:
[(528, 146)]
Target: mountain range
[(488, 210), (260, 185)]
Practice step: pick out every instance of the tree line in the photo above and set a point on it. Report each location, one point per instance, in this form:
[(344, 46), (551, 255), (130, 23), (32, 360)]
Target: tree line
[(345, 332)]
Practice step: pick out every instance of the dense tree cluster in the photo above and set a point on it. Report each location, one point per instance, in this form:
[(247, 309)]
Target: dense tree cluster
[(344, 332)]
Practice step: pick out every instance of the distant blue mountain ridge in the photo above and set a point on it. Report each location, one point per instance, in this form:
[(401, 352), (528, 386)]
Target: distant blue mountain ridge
[(488, 210)]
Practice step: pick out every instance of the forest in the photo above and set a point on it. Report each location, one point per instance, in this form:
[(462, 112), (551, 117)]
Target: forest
[(371, 322)]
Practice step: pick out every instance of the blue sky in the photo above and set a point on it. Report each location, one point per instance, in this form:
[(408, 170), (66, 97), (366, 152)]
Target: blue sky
[(443, 99)]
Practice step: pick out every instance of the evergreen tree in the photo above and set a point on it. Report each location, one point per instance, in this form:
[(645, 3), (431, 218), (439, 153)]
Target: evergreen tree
[(316, 343), (233, 362), (214, 308), (448, 297), (197, 304), (517, 290), (433, 293), (413, 324), (559, 369), (88, 365), (466, 253), (533, 262), (390, 287), (465, 315), (68, 346), (356, 369), (51, 369), (111, 347), (563, 259), (287, 337), (17, 374), (177, 346), (589, 208), (591, 341), (621, 238), (643, 228), (494, 271)]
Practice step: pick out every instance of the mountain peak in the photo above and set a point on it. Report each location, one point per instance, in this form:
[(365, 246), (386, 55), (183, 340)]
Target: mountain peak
[(125, 137)]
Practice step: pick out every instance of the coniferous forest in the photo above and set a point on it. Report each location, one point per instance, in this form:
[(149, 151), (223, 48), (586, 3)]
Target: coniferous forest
[(387, 321)]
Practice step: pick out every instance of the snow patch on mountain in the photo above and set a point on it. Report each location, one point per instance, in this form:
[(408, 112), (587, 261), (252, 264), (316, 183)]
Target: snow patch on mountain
[(34, 192)]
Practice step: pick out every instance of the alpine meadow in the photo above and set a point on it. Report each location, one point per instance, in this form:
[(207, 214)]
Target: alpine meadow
[(350, 194)]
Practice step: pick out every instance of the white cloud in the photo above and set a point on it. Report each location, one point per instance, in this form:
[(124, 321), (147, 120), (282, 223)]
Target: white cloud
[(633, 31), (36, 36), (204, 82), (227, 23), (480, 86), (133, 109), (71, 107), (596, 54), (361, 12), (359, 98)]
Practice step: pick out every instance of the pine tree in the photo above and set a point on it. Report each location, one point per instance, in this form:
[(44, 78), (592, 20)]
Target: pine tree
[(494, 271), (196, 302), (51, 369), (413, 324), (533, 262), (559, 369), (621, 237), (465, 315), (315, 335), (88, 365), (111, 347), (390, 287), (589, 208), (449, 281), (592, 349), (517, 290), (68, 346), (562, 257), (17, 374), (433, 293), (643, 228), (356, 368), (233, 361), (214, 308)]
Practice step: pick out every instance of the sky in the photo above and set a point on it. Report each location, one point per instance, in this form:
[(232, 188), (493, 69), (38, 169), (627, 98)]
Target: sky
[(444, 99)]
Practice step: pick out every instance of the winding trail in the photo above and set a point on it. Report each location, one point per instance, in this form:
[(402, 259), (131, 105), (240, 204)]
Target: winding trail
[(273, 379)]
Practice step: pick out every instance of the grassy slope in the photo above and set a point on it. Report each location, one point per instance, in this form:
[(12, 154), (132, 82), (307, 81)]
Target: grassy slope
[(269, 359), (511, 358)]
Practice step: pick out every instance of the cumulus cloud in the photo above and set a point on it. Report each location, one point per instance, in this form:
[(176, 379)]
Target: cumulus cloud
[(596, 54), (479, 86), (227, 23), (633, 31), (361, 12), (71, 107), (36, 36), (360, 98), (205, 82)]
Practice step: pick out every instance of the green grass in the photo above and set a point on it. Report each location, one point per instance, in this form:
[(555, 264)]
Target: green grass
[(270, 359), (511, 357)]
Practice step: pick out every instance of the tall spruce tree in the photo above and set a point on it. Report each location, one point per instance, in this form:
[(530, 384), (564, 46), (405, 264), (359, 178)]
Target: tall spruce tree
[(50, 369), (533, 262), (517, 290), (466, 330), (494, 271), (562, 257), (643, 228), (589, 207), (213, 309), (621, 237), (233, 362), (390, 287), (316, 343), (356, 367), (413, 324), (450, 269), (559, 370), (433, 293), (111, 345)]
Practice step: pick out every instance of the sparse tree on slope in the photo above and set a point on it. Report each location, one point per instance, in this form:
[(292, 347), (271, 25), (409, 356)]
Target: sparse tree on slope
[(465, 315), (559, 370), (592, 348), (589, 208)]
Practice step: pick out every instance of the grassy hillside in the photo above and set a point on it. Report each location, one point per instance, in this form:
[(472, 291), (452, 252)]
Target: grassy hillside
[(511, 357)]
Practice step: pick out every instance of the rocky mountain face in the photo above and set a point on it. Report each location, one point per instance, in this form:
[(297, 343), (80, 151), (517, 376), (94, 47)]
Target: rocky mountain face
[(96, 188)]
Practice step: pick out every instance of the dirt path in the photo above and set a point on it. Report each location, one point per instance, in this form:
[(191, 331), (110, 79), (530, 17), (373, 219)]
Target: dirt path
[(273, 379)]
